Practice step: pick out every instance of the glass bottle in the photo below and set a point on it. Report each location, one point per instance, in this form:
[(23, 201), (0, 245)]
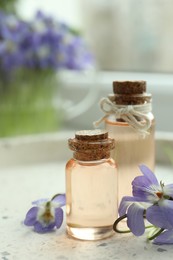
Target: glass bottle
[(91, 186), (129, 120)]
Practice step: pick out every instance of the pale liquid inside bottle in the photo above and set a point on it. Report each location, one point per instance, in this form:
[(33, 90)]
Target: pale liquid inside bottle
[(91, 193), (132, 149)]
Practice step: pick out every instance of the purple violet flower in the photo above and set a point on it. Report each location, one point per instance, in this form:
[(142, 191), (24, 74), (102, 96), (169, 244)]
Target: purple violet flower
[(47, 214), (148, 195)]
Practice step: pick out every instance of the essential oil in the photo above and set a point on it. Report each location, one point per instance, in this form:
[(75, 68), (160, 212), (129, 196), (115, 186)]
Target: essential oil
[(130, 122), (91, 186)]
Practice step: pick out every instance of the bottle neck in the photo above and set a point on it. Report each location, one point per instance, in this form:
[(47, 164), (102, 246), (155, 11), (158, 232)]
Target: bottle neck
[(93, 163), (137, 116)]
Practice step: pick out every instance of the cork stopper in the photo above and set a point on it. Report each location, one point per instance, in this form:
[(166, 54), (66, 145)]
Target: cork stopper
[(130, 93), (91, 135), (129, 87), (91, 145)]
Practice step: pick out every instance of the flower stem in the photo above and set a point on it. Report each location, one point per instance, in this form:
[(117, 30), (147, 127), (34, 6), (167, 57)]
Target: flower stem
[(56, 195), (156, 234), (125, 231), (117, 222)]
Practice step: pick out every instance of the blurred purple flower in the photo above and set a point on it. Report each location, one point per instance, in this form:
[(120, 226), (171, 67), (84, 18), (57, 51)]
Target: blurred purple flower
[(46, 215), (43, 43)]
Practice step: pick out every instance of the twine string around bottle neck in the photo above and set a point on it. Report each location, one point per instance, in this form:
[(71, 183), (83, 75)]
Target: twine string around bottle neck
[(135, 115)]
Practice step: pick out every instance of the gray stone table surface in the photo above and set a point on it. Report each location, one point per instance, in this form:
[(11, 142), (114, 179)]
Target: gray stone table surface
[(32, 168), (20, 185)]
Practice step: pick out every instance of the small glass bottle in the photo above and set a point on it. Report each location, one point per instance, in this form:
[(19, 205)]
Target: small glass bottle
[(91, 186), (129, 120)]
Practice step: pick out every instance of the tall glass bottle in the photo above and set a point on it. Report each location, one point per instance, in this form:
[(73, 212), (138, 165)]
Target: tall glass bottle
[(129, 120), (91, 186)]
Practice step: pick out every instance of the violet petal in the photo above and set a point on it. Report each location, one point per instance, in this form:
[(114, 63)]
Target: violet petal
[(135, 219), (167, 210), (148, 174), (60, 199), (164, 238), (155, 216), (39, 228), (144, 188), (125, 202), (140, 187), (161, 215), (168, 190), (40, 201), (141, 181), (31, 216), (58, 217)]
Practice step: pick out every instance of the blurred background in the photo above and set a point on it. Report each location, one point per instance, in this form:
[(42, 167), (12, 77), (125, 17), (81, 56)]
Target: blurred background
[(58, 58)]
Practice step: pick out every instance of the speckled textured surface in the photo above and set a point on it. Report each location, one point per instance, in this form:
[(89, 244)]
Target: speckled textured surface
[(21, 185)]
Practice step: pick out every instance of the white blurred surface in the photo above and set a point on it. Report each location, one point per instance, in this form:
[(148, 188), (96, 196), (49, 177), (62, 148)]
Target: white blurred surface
[(66, 10)]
